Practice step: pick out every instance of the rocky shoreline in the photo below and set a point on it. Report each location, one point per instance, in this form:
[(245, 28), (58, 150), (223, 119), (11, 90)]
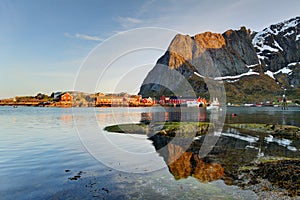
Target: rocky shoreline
[(170, 129), (278, 176), (281, 131), (270, 177)]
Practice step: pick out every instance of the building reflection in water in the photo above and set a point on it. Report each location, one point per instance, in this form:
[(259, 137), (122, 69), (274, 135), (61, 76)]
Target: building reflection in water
[(66, 119), (118, 117), (175, 115)]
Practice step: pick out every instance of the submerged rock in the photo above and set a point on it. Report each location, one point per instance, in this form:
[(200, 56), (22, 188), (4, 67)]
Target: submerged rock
[(281, 175), (170, 129), (189, 129), (286, 131)]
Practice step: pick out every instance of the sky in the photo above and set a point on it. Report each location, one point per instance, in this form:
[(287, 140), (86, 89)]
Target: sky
[(48, 45)]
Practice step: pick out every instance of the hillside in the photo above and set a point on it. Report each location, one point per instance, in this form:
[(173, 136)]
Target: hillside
[(253, 66)]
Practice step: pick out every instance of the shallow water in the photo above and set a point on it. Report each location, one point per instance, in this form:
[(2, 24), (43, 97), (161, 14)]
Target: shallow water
[(267, 115), (58, 153)]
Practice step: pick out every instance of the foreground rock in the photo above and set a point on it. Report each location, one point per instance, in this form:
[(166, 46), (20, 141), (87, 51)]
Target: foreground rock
[(128, 128), (170, 129), (280, 176), (280, 131), (187, 129)]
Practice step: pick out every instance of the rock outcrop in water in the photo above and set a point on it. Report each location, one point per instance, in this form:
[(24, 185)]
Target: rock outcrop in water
[(269, 59)]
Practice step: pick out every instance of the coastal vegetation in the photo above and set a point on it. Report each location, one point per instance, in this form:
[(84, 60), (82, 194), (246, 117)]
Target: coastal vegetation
[(169, 129)]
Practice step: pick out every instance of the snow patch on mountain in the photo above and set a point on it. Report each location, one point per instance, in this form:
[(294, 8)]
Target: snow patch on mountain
[(281, 27), (254, 65), (265, 40), (259, 43), (293, 64), (237, 76), (271, 74), (284, 70), (229, 78), (277, 45)]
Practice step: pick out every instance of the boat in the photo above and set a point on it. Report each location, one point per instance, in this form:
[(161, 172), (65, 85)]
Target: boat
[(192, 104), (214, 105)]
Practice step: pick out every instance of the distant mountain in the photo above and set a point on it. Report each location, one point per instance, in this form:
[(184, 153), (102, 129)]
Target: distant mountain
[(278, 48), (254, 66)]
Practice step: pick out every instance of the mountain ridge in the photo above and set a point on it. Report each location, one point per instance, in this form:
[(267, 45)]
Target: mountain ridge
[(271, 55)]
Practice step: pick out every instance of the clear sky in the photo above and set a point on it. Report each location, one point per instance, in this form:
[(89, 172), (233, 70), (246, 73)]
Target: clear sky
[(44, 42)]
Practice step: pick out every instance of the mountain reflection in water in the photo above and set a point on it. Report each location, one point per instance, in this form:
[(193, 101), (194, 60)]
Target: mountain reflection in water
[(183, 164), (234, 149)]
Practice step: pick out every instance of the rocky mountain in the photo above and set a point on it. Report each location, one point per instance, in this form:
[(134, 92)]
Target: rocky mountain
[(250, 66), (278, 47)]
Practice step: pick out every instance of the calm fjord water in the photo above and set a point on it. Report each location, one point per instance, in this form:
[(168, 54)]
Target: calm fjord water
[(42, 156)]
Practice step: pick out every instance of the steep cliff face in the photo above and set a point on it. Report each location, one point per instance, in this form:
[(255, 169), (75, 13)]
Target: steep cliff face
[(230, 52), (230, 57), (209, 54)]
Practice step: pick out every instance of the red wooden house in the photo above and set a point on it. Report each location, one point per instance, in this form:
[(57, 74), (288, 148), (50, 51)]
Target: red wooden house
[(66, 97)]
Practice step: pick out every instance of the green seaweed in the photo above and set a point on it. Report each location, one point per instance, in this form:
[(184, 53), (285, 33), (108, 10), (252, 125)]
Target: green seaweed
[(182, 129), (128, 128)]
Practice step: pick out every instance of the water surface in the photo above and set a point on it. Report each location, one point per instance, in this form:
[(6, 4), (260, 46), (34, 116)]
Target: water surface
[(58, 153)]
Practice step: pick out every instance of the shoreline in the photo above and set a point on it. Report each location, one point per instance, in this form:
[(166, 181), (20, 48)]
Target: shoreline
[(267, 176), (70, 105)]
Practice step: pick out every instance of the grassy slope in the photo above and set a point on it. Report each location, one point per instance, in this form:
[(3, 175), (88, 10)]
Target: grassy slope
[(253, 89)]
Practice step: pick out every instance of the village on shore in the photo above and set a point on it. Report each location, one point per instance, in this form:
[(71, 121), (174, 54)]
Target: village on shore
[(80, 99)]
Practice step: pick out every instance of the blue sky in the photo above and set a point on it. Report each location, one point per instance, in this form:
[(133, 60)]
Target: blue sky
[(43, 43)]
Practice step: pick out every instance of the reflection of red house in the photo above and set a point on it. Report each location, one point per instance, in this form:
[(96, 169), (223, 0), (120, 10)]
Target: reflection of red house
[(66, 97)]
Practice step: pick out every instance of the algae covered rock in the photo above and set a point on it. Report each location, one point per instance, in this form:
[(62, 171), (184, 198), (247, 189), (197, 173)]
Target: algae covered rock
[(286, 131)]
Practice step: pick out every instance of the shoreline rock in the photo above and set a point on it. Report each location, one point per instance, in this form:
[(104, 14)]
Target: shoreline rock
[(268, 176)]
